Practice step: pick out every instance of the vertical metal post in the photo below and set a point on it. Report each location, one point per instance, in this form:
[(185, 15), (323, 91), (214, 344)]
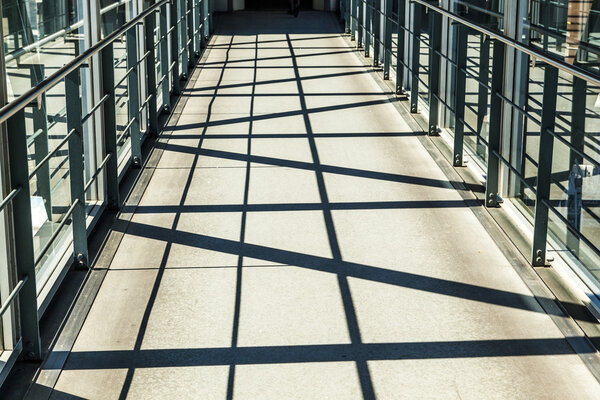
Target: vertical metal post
[(460, 93), (353, 16), (149, 27), (482, 100), (347, 15), (435, 40), (493, 172), (164, 58), (202, 24), (544, 172), (361, 23), (400, 49), (190, 33), (574, 193), (416, 54), (40, 129), (368, 30), (23, 235), (182, 18), (209, 12), (376, 32), (197, 31), (175, 47), (110, 128), (76, 167), (207, 18), (133, 91), (387, 39)]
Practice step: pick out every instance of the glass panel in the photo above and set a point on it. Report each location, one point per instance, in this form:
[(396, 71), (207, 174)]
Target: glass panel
[(41, 37)]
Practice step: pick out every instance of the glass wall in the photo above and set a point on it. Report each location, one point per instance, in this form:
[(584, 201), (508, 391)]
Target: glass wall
[(41, 37), (534, 131), (81, 129)]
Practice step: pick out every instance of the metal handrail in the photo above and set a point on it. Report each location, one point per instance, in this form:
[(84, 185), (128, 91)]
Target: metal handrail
[(13, 295), (25, 99), (559, 64), (63, 32)]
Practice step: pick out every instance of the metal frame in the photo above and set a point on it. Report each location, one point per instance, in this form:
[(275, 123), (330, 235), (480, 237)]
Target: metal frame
[(187, 35), (493, 99)]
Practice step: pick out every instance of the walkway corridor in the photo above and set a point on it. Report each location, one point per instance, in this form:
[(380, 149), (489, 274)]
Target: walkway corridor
[(290, 237)]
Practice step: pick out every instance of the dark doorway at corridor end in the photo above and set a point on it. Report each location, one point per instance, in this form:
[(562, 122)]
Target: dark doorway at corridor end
[(274, 5)]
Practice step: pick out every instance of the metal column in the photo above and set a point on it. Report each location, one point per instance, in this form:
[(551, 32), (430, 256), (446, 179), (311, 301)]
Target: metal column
[(23, 237), (544, 173), (493, 165), (76, 167)]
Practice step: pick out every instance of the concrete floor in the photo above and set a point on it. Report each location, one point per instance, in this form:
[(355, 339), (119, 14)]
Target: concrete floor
[(296, 240)]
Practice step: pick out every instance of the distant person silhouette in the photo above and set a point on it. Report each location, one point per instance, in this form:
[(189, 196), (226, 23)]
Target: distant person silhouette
[(294, 7)]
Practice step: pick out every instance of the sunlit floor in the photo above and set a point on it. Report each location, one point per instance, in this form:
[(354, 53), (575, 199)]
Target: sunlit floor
[(296, 240)]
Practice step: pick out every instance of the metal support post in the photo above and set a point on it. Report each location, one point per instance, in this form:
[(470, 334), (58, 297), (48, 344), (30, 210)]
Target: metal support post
[(387, 39), (197, 29), (435, 38), (182, 29), (544, 172), (190, 34), (150, 26), (40, 141), (460, 93), (416, 54), (360, 26), (575, 189), (164, 58), (76, 168), (493, 171), (368, 27), (376, 27), (400, 49), (110, 128), (23, 236), (133, 91), (482, 98), (175, 48)]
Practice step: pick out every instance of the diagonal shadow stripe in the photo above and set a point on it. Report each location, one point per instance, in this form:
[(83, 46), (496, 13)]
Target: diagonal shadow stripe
[(332, 169), (261, 117), (367, 272), (165, 358), (273, 81), (359, 205)]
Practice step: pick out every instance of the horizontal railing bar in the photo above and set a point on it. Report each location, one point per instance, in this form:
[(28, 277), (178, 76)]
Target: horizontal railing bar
[(146, 54), (514, 170), (573, 149), (9, 198), (13, 295), (129, 71), (21, 102), (171, 66), (481, 9), (161, 80), (95, 108), (145, 103), (127, 127), (51, 154), (100, 168), (522, 111), (561, 65), (468, 126), (470, 75), (570, 227), (31, 139), (50, 242)]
